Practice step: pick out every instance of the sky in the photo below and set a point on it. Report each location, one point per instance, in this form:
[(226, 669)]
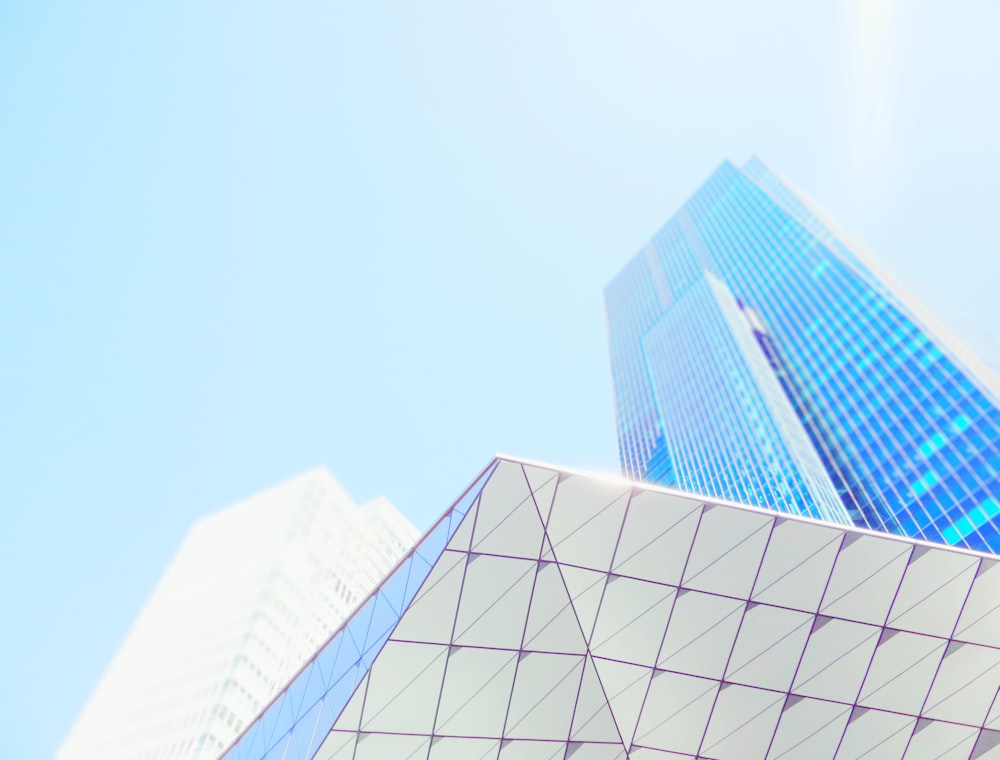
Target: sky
[(242, 239)]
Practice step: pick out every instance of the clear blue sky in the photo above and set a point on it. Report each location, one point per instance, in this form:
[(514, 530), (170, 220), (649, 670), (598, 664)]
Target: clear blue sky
[(240, 239)]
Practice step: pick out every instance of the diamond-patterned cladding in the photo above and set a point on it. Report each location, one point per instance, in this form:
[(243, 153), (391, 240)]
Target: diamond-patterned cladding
[(551, 615)]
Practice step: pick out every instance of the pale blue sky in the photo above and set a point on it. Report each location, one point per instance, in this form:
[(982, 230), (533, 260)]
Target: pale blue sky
[(240, 239)]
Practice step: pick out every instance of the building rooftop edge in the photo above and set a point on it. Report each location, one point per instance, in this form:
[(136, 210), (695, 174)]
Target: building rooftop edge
[(785, 516)]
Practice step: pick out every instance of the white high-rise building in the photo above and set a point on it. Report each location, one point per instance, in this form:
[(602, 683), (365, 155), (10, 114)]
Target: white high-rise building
[(252, 593)]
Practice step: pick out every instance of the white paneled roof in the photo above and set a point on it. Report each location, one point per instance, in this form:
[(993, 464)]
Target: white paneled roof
[(552, 614)]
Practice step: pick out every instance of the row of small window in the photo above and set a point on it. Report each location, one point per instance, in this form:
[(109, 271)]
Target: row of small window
[(232, 721)]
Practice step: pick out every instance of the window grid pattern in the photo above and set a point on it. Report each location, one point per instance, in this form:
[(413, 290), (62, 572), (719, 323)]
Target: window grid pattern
[(909, 438), (718, 399)]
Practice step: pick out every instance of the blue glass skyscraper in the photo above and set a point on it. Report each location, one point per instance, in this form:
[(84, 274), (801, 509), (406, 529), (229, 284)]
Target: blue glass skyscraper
[(756, 357)]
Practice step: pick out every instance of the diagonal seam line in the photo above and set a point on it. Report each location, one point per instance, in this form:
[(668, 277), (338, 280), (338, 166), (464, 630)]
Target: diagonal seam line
[(425, 591), (941, 701), (399, 692), (649, 684), (747, 722), (362, 687), (814, 733), (770, 525), (348, 736), (929, 594), (871, 660), (402, 595), (354, 642), (496, 601), (632, 683), (940, 664), (678, 711), (978, 619), (732, 548), (471, 515), (647, 673), (962, 740), (581, 661), (707, 630), (454, 621), (478, 691), (559, 612), (483, 478), (510, 514), (900, 674), (796, 567), (897, 731), (589, 520), (414, 753), (488, 752), (630, 622), (865, 580), (796, 629), (323, 675), (576, 728), (643, 548), (834, 661), (527, 612), (532, 490), (802, 656), (312, 747), (576, 615), (601, 577)]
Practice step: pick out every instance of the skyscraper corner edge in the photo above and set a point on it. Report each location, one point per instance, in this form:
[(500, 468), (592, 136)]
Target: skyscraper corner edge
[(864, 376)]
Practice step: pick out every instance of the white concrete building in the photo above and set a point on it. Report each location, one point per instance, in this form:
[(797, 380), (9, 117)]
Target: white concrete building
[(254, 590)]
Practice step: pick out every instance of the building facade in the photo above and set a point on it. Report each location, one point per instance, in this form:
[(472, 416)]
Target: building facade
[(554, 615), (253, 591), (756, 356)]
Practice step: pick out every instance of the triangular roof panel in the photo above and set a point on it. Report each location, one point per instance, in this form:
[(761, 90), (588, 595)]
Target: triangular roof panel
[(550, 614)]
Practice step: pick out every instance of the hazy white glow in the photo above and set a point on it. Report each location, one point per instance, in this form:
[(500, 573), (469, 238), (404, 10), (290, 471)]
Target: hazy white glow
[(873, 51), (252, 593)]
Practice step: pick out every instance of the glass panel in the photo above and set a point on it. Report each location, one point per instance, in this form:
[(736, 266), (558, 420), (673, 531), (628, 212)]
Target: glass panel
[(394, 587), (384, 618)]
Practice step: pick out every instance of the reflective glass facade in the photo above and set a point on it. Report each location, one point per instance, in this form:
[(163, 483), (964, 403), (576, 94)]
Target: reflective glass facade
[(756, 357), (551, 615)]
